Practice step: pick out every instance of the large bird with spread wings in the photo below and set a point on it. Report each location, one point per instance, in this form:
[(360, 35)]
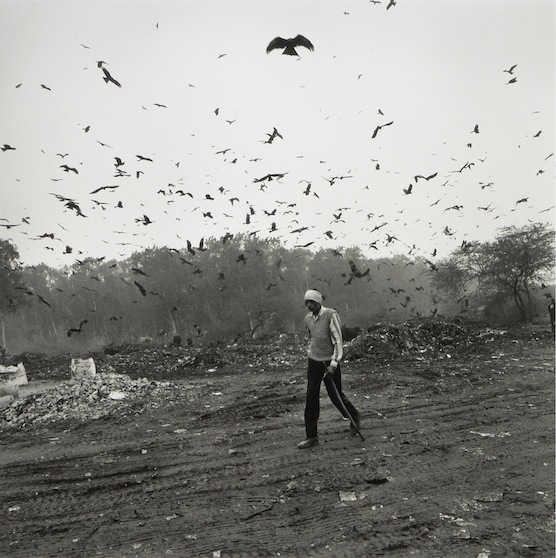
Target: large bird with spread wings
[(289, 44)]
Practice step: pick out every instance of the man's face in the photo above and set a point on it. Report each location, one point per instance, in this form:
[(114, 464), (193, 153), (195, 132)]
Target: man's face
[(313, 306)]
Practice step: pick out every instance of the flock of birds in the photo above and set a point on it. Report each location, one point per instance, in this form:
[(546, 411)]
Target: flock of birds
[(212, 201)]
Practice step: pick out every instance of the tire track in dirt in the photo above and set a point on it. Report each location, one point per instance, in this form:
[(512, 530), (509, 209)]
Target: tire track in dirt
[(433, 473)]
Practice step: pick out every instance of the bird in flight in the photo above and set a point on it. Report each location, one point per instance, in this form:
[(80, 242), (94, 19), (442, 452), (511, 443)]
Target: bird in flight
[(77, 329), (139, 271), (270, 177), (427, 178), (142, 289), (68, 169), (107, 77), (145, 220), (190, 248), (511, 70), (41, 299), (289, 44), (355, 272), (7, 147), (271, 137), (104, 188), (379, 127)]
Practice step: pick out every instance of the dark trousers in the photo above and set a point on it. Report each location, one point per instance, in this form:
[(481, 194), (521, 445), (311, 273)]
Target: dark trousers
[(315, 374)]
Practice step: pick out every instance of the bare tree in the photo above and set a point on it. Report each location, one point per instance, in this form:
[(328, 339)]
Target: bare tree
[(507, 269)]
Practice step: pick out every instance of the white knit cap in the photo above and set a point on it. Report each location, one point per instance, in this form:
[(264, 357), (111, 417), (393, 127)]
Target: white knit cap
[(313, 295)]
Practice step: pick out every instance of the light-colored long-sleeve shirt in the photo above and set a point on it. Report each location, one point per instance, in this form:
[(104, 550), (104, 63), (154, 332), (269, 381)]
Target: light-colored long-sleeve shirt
[(325, 334)]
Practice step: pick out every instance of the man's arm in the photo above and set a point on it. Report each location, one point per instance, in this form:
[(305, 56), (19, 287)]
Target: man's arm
[(336, 335)]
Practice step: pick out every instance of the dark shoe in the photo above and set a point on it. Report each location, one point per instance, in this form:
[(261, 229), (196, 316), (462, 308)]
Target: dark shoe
[(357, 420), (308, 443)]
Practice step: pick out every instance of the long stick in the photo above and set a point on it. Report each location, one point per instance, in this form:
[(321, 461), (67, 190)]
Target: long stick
[(329, 381)]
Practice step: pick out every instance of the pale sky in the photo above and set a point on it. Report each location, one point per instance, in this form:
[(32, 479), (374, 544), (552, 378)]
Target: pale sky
[(434, 68)]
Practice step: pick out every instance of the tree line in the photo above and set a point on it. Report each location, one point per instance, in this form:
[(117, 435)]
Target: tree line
[(244, 286)]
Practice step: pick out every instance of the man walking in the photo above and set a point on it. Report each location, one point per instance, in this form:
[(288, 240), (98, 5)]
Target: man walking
[(324, 355)]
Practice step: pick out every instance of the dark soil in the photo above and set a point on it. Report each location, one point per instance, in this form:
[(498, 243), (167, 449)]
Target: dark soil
[(457, 461)]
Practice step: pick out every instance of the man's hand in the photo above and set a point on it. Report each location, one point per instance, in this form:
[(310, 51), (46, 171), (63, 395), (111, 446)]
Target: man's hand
[(329, 371)]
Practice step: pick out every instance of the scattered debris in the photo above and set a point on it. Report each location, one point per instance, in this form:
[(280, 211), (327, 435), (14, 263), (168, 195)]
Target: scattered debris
[(348, 496), (490, 434), (87, 398), (80, 367), (11, 377), (489, 497)]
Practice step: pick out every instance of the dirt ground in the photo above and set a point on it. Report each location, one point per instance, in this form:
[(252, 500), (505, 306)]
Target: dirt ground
[(457, 461)]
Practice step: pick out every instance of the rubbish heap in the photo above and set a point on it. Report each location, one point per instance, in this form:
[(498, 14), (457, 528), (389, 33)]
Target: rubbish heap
[(171, 362), (90, 397), (168, 362), (428, 338)]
